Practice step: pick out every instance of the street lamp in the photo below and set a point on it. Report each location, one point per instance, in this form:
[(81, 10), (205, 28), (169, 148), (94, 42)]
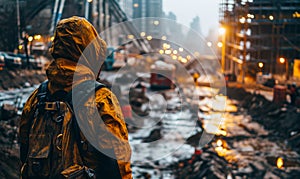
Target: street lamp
[(220, 44), (282, 60), (30, 38), (209, 44), (156, 22), (143, 34), (260, 66)]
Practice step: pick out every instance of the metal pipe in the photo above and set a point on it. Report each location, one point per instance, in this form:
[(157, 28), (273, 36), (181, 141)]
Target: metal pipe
[(62, 3), (87, 8), (53, 17), (18, 21)]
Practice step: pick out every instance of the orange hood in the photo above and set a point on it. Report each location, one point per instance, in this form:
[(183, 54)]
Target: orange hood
[(78, 53)]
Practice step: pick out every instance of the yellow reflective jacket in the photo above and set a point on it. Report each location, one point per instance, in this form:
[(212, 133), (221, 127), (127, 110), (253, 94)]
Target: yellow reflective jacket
[(78, 54)]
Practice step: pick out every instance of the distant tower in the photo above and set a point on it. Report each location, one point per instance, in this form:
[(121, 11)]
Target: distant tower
[(195, 25), (147, 8), (171, 16)]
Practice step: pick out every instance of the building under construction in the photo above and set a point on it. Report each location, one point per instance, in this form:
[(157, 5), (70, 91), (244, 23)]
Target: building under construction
[(258, 34)]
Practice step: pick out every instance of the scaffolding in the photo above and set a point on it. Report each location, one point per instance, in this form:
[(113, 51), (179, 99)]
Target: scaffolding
[(260, 31)]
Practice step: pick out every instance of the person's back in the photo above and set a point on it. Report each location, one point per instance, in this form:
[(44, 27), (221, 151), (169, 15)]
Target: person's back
[(103, 146)]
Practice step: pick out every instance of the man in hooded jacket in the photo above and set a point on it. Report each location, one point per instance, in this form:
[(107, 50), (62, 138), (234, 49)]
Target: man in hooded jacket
[(78, 53)]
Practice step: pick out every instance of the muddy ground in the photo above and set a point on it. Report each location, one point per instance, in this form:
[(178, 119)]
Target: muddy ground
[(281, 123), (19, 78)]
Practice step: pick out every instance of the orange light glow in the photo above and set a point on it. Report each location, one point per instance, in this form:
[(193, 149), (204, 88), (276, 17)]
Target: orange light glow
[(281, 60), (219, 142), (279, 162)]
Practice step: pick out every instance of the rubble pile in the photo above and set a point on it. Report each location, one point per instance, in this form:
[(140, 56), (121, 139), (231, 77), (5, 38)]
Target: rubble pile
[(256, 137), (281, 121), (20, 78), (9, 152), (7, 111), (202, 164)]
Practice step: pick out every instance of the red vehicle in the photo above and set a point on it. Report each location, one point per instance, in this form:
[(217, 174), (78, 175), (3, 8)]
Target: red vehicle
[(162, 76)]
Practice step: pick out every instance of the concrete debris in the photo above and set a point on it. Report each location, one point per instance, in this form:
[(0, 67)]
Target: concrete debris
[(255, 137)]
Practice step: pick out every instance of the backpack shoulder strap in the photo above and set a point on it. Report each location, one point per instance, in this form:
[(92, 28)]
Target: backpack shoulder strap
[(41, 97), (42, 91)]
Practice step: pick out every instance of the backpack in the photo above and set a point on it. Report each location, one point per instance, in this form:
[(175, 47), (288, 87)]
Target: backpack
[(55, 147)]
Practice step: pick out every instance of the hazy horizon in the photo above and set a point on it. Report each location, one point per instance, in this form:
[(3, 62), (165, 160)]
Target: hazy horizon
[(186, 10)]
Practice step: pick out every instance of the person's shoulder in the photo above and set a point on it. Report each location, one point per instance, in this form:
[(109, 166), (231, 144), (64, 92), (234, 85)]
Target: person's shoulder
[(104, 93), (31, 101)]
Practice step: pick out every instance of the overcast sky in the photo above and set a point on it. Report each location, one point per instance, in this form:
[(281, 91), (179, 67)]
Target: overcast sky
[(186, 10)]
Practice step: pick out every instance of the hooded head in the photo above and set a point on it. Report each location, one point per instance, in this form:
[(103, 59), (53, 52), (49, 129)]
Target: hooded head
[(77, 50)]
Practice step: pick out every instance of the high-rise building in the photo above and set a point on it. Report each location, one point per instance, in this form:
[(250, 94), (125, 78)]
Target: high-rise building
[(260, 32), (275, 32), (146, 8)]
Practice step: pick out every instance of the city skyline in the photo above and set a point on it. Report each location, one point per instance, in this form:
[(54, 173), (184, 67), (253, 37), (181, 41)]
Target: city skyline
[(185, 11)]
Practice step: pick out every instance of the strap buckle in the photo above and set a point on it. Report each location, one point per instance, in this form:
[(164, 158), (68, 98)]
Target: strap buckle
[(50, 106)]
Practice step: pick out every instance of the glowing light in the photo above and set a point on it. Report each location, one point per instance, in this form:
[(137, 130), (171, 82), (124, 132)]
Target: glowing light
[(161, 52), (130, 36), (279, 162), (222, 30), (188, 57), (136, 5), (296, 15), (180, 49), (89, 0), (20, 47), (30, 38), (250, 16), (220, 44), (175, 52), (156, 22), (164, 37), (242, 20), (143, 34), (52, 38), (219, 143), (149, 37), (221, 132), (271, 17), (37, 37), (168, 52), (166, 46), (281, 60), (209, 44), (174, 57), (183, 60), (260, 64)]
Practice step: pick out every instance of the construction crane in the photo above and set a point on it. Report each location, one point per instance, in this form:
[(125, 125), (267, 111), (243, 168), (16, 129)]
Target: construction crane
[(142, 44), (105, 7), (57, 12)]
